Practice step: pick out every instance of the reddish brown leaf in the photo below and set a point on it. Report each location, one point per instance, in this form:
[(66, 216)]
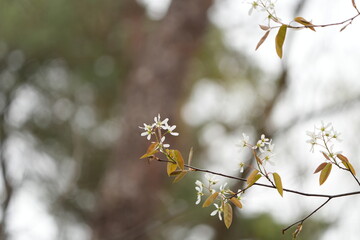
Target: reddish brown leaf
[(342, 158), (320, 167), (262, 40), (263, 27), (325, 156)]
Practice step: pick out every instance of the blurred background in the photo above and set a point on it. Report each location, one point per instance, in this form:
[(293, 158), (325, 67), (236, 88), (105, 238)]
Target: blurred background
[(77, 78)]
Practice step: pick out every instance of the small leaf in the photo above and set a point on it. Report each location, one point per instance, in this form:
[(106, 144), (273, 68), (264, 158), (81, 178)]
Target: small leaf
[(262, 40), (190, 156), (257, 158), (297, 231), (236, 202), (171, 167), (150, 151), (325, 173), (351, 168), (252, 176), (279, 40), (343, 28), (326, 156), (278, 183), (257, 177), (210, 199), (342, 158), (354, 4), (175, 173), (263, 27), (304, 22), (179, 159), (228, 215), (180, 176), (320, 167)]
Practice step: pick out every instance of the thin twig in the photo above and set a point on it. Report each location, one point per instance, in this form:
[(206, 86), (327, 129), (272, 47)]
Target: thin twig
[(301, 221), (195, 169), (309, 215)]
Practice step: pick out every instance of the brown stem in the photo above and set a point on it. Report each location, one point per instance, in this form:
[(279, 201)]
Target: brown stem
[(195, 169), (309, 215)]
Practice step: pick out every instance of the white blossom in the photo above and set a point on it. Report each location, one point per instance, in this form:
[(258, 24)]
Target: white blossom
[(199, 189), (160, 124), (149, 130), (218, 211), (170, 129)]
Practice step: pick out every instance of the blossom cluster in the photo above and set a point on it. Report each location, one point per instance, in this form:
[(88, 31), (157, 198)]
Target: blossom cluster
[(222, 195), (264, 148), (323, 136), (267, 6), (159, 128)]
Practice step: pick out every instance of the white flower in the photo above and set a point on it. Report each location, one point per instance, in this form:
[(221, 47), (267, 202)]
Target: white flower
[(199, 189), (160, 124), (162, 145), (268, 152), (244, 141), (212, 180), (323, 128), (335, 134), (218, 211), (241, 165), (313, 139), (149, 130), (170, 129), (223, 189), (254, 5), (239, 196), (262, 141)]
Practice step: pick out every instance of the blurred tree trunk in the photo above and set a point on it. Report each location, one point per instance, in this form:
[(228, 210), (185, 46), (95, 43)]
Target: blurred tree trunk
[(128, 195)]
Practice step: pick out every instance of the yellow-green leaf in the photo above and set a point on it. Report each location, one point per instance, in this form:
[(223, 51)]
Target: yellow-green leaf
[(304, 22), (254, 180), (175, 173), (228, 215), (350, 167), (180, 176), (262, 40), (210, 199), (346, 163), (252, 176), (171, 167), (278, 183), (325, 173), (279, 40), (179, 159), (320, 167), (236, 202), (150, 151)]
